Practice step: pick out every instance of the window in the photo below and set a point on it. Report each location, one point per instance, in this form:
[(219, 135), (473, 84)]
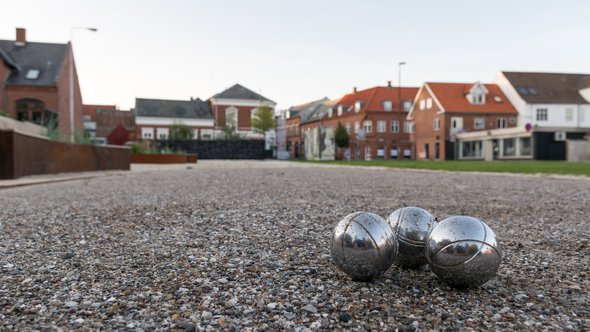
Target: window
[(422, 104), (471, 149), (231, 117), (387, 106), (393, 152), (581, 115), (147, 133), (368, 126), (501, 123), (407, 105), (34, 110), (380, 152), (479, 123), (162, 133), (457, 122), (357, 126), (436, 124), (542, 114), (429, 103), (206, 134), (509, 147), (357, 107), (347, 126), (381, 126), (330, 112), (394, 126), (408, 126), (569, 114), (498, 99), (340, 110), (33, 74), (525, 146)]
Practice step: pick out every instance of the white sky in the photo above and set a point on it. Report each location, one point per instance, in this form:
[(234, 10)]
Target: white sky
[(294, 51)]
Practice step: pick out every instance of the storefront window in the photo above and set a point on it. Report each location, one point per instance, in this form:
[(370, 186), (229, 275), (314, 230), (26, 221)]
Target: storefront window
[(471, 149), (525, 146), (509, 147)]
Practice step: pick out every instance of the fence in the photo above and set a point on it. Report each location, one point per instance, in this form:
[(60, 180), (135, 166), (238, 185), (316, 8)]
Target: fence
[(220, 149)]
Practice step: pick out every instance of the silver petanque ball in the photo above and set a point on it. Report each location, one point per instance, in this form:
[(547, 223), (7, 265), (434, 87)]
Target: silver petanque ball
[(463, 251), (411, 225), (363, 246)]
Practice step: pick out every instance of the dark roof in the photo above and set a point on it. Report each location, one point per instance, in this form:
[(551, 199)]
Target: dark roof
[(239, 92), (549, 88), (189, 109), (45, 57), (305, 110)]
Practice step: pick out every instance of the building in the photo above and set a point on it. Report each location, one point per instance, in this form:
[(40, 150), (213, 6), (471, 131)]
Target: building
[(235, 107), (35, 84), (105, 124), (443, 111), (375, 119), (294, 116), (155, 117), (552, 109)]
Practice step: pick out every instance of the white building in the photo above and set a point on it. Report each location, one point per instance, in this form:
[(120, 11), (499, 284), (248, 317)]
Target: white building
[(552, 108)]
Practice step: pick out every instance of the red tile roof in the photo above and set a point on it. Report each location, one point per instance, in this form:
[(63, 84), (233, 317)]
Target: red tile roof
[(373, 98), (452, 97)]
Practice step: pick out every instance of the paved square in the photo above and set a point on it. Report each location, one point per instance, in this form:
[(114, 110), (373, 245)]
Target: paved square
[(245, 245)]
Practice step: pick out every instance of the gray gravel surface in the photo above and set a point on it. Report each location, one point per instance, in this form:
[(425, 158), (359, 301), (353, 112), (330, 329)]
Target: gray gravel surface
[(248, 249)]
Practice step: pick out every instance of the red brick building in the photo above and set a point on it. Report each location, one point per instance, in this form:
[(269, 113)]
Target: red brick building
[(107, 124), (375, 119), (235, 107), (441, 111), (35, 84)]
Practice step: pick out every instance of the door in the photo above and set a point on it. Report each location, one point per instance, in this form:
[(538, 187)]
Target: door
[(426, 151), (436, 151)]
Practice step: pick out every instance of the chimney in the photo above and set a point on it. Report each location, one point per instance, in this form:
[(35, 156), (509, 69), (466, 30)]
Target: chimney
[(354, 90), (21, 36), (389, 84)]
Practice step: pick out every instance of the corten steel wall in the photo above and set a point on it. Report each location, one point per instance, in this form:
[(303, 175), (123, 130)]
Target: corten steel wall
[(163, 158), (220, 149), (22, 155)]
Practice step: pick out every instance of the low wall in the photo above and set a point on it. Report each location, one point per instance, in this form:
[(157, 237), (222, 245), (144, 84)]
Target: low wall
[(22, 154), (163, 158), (220, 149), (578, 150)]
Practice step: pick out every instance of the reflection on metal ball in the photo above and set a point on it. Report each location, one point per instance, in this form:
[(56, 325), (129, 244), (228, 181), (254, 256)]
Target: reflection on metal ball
[(411, 225), (363, 246), (463, 251)]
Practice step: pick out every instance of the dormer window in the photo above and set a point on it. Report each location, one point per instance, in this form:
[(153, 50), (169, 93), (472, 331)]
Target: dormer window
[(33, 74), (387, 106), (477, 94), (340, 109), (357, 106), (330, 112)]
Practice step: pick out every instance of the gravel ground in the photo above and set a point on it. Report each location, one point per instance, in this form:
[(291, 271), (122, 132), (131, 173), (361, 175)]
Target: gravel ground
[(247, 248)]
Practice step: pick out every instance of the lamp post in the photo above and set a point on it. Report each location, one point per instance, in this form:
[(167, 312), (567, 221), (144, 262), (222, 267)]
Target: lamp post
[(71, 70), (401, 106)]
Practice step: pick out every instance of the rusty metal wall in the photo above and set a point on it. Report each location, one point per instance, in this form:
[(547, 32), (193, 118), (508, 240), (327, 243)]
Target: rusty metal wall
[(22, 155)]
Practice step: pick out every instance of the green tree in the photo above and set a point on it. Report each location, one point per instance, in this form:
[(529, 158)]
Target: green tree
[(230, 133), (263, 120), (341, 136), (179, 131)]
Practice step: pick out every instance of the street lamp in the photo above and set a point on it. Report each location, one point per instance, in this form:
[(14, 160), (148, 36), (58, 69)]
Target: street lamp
[(401, 106), (71, 70)]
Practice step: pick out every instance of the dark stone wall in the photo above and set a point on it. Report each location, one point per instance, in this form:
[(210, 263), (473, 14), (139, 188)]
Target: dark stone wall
[(220, 149)]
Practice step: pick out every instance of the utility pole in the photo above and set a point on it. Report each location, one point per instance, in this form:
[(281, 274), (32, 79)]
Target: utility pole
[(401, 110)]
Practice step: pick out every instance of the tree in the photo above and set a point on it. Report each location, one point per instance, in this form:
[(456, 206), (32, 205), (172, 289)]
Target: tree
[(263, 120), (179, 131), (341, 136), (230, 133)]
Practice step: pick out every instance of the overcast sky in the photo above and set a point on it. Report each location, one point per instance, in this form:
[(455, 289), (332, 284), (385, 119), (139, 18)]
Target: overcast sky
[(294, 51)]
